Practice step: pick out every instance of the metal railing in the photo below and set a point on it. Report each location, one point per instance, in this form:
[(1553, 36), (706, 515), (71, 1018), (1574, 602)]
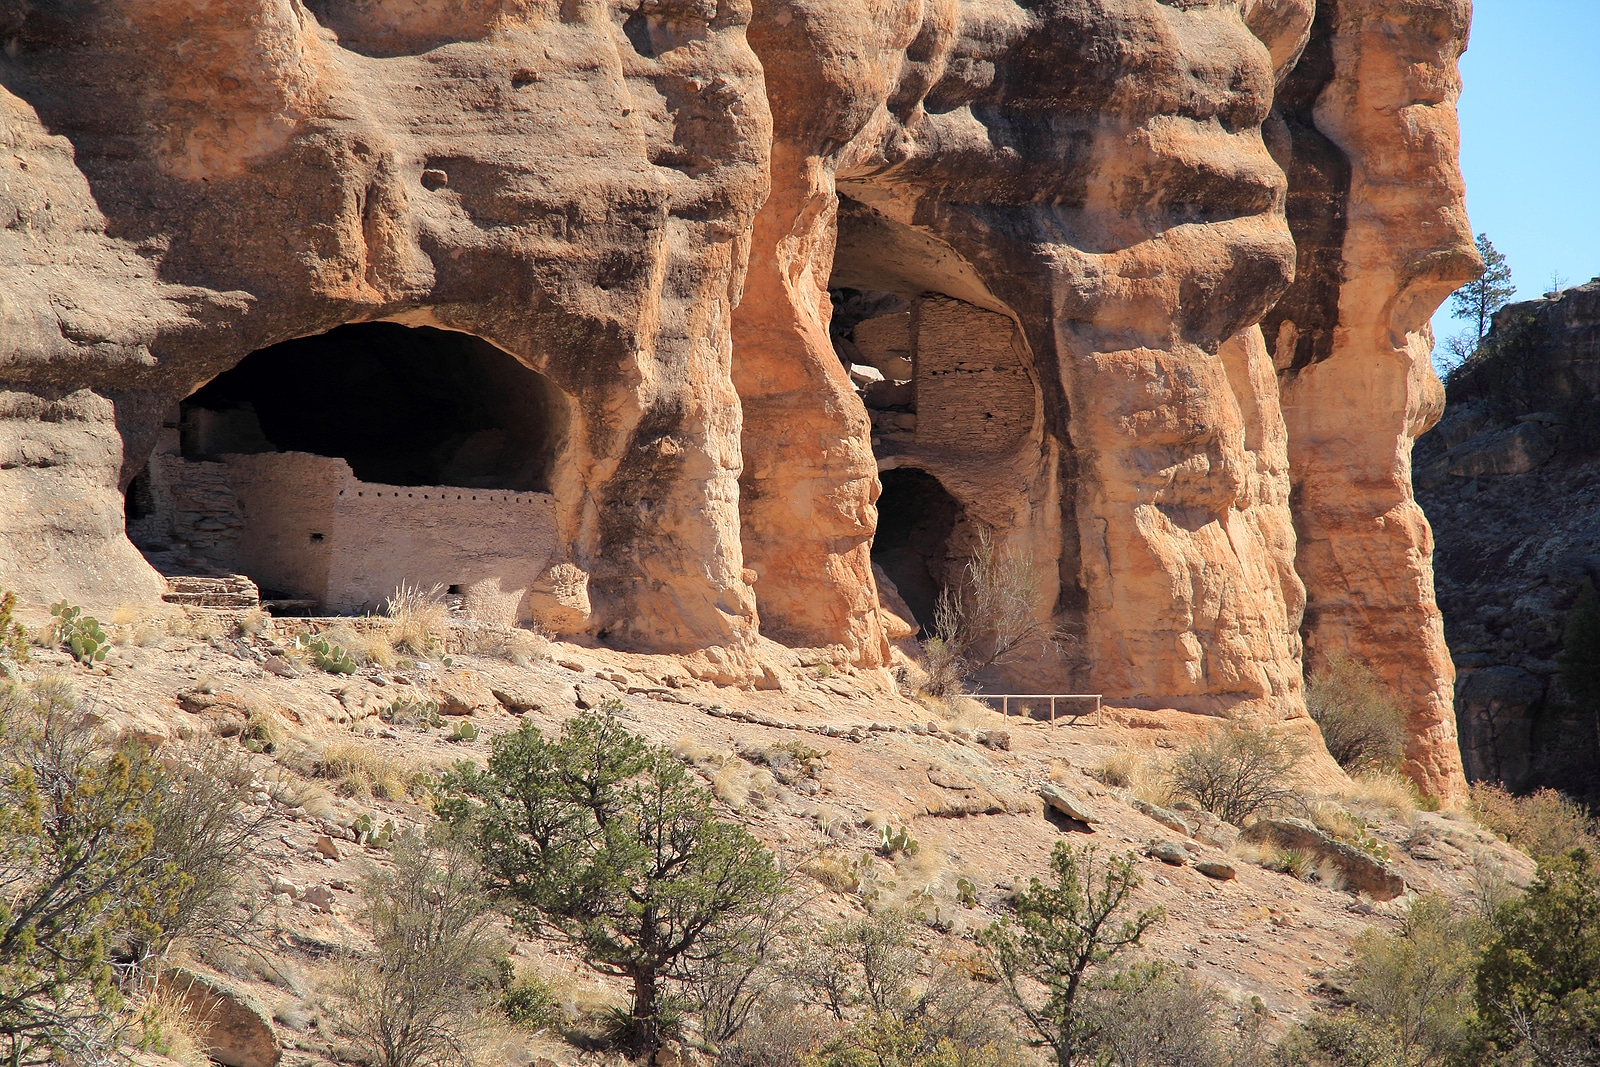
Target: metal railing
[(1006, 699)]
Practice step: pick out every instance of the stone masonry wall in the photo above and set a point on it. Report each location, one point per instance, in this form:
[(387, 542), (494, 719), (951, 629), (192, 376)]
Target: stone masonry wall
[(973, 393), (304, 525)]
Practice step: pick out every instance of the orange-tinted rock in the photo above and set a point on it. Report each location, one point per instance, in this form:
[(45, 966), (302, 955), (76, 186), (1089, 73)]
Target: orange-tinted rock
[(1371, 131), (573, 184), (1055, 232)]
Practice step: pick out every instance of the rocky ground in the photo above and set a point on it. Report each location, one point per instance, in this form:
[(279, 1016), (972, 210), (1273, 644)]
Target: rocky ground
[(984, 795)]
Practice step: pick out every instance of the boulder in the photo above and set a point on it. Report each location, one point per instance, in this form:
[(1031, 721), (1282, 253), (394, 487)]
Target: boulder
[(898, 620), (995, 739), (1222, 872), (279, 886), (1170, 819), (947, 777), (1067, 804), (361, 701), (1362, 873), (282, 667), (1170, 852), (234, 1030), (319, 897), (1210, 830), (559, 600), (515, 696), (463, 692)]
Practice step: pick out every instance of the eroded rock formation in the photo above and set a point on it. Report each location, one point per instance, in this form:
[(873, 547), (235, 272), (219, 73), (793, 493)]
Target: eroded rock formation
[(1370, 126), (1006, 263)]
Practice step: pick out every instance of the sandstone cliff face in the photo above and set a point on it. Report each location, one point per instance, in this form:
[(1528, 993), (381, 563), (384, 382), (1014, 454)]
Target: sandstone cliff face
[(574, 186), (1044, 237)]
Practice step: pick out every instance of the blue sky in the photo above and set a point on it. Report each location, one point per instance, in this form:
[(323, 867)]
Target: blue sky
[(1530, 132)]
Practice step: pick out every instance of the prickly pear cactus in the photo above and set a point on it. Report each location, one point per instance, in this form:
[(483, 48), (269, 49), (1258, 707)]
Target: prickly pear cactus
[(80, 634)]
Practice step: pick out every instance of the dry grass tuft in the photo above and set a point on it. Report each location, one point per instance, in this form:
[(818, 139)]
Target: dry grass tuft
[(838, 871), (1332, 819), (167, 1027), (1327, 873), (1139, 776), (959, 709), (254, 623), (124, 615), (360, 772), (691, 749), (420, 618), (833, 822), (205, 625), (737, 784), (292, 791), (1259, 854), (1120, 769), (369, 646), (527, 646), (922, 869), (514, 644), (1381, 791), (264, 728)]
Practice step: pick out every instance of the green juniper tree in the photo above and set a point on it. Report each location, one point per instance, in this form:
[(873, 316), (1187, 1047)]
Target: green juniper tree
[(1478, 301), (1062, 935), (1538, 983), (80, 879), (609, 843)]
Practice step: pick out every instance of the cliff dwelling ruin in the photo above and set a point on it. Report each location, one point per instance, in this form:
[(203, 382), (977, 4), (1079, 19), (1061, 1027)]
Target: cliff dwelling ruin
[(346, 267), (330, 469)]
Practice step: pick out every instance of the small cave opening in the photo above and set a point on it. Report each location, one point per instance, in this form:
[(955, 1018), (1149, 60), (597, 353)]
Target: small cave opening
[(917, 520), (402, 405)]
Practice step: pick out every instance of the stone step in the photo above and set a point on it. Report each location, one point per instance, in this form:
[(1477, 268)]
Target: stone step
[(223, 591)]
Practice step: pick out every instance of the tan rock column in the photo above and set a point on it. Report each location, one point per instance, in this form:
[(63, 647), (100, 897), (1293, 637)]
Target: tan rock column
[(1365, 547), (810, 480)]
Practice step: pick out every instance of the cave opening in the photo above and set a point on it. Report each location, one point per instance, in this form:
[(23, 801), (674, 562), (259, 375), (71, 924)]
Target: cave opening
[(917, 521), (329, 469), (402, 405)]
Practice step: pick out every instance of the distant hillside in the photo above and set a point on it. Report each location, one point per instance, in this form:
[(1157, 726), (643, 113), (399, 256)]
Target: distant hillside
[(1511, 481)]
